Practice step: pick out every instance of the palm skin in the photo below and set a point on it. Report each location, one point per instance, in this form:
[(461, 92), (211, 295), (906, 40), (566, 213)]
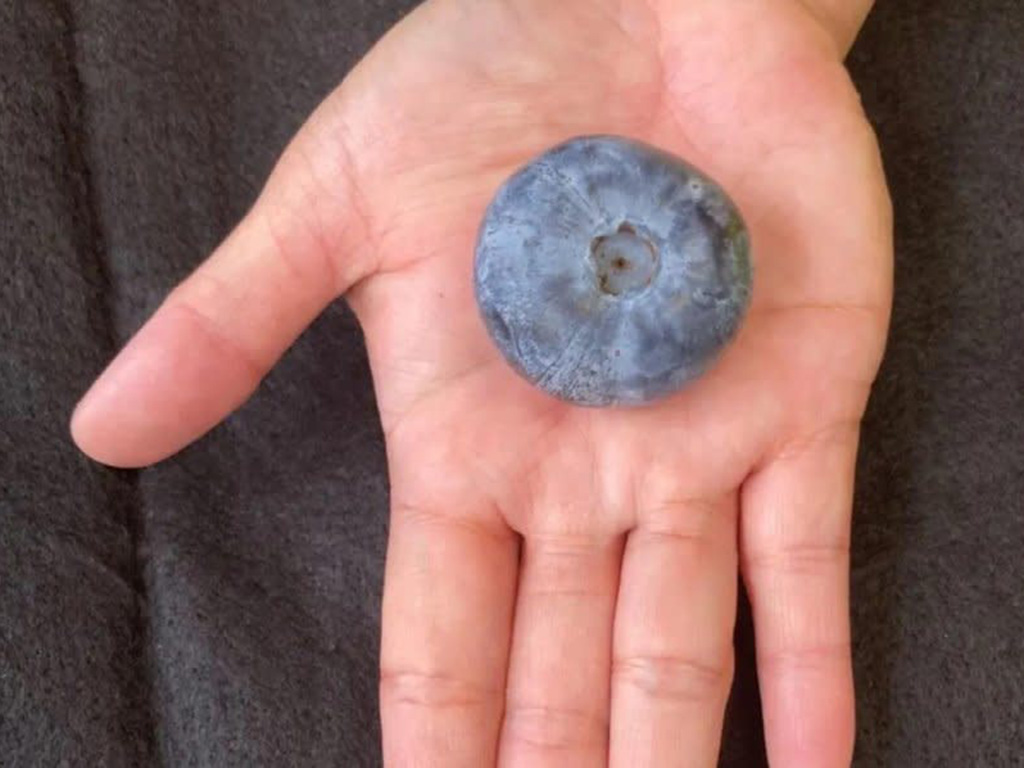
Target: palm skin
[(561, 582)]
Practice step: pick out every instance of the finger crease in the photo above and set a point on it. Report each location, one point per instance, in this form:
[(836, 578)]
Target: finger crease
[(250, 360), (434, 691), (554, 728), (805, 657), (415, 515), (805, 559), (837, 434), (673, 678)]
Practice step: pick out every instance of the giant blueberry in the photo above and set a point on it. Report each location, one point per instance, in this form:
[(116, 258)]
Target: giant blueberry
[(610, 272)]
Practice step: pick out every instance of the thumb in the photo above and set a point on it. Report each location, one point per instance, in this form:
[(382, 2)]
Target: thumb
[(205, 350)]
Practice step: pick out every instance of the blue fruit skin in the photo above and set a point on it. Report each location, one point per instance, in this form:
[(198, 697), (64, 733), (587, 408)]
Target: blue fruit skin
[(611, 273)]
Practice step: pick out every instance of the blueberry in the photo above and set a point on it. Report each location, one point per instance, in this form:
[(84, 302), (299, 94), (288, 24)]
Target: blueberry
[(609, 272)]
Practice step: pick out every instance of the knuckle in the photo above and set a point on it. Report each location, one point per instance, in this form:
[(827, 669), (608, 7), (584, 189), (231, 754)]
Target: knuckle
[(564, 566), (315, 214), (433, 691), (675, 679), (202, 299), (819, 656), (549, 728), (487, 525), (296, 242), (838, 433), (300, 242), (805, 559), (691, 521)]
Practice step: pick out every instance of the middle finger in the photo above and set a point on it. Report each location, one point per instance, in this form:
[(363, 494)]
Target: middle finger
[(673, 636), (558, 687)]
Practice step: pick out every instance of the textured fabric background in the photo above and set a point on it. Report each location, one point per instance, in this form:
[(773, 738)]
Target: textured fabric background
[(222, 608)]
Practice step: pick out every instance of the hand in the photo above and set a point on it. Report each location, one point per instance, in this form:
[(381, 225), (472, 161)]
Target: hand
[(561, 582)]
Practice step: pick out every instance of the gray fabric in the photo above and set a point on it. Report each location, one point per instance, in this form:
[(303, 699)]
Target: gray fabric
[(938, 582), (222, 608)]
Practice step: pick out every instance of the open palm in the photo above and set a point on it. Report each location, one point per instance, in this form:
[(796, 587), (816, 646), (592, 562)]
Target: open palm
[(561, 582)]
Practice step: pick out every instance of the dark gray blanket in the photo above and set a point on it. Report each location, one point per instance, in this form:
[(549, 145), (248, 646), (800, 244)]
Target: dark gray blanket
[(222, 608)]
